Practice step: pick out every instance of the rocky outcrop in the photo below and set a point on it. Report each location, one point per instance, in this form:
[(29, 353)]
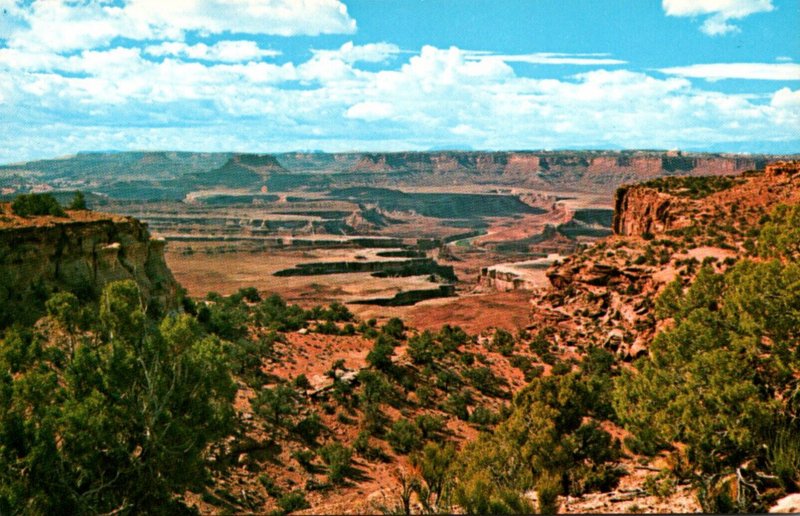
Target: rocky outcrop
[(604, 295), (503, 281), (640, 210), (81, 255), (787, 505), (782, 168), (241, 171)]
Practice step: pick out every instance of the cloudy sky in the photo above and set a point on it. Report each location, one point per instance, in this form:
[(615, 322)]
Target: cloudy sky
[(335, 75)]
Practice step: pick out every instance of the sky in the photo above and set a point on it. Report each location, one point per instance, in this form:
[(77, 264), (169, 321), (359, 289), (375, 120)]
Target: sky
[(388, 75)]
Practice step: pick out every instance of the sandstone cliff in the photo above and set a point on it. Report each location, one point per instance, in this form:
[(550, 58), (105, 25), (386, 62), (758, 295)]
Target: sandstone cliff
[(569, 170), (80, 253), (641, 210)]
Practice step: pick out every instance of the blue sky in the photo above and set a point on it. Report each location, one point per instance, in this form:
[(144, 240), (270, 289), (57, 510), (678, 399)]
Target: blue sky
[(338, 75)]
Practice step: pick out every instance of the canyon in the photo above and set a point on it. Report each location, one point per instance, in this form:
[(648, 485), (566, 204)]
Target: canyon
[(541, 280)]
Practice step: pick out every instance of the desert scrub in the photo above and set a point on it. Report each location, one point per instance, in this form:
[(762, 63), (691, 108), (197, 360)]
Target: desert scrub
[(693, 187)]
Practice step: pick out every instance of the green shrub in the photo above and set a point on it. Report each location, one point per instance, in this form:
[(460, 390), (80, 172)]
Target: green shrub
[(380, 356), (309, 428), (394, 328), (404, 436), (451, 338), (483, 416), (784, 457), (29, 205), (78, 202), (362, 447), (270, 486), (422, 348), (661, 485), (457, 404), (429, 425), (502, 342), (304, 458), (294, 501), (338, 458)]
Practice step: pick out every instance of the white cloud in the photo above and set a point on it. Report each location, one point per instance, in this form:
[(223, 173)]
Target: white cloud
[(718, 12), (64, 25), (328, 65), (119, 98), (369, 53), (224, 51), (758, 71), (786, 98), (547, 58), (370, 110)]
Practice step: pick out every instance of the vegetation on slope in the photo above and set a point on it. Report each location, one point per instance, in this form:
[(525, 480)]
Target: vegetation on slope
[(105, 410), (722, 382), (693, 187)]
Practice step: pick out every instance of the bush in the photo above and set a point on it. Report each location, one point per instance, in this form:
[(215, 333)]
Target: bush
[(337, 312), (395, 328), (338, 458), (28, 205), (304, 458), (70, 422), (422, 348), (380, 357), (434, 462), (483, 379), (704, 382), (452, 337), (309, 428), (404, 437), (270, 486), (294, 501), (425, 395), (362, 447), (429, 425), (483, 416), (784, 457), (78, 202), (503, 342), (458, 403), (275, 404)]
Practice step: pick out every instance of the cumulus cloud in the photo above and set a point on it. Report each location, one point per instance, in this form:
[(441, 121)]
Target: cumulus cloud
[(224, 51), (718, 13), (65, 25), (369, 53), (758, 71), (786, 98), (121, 98)]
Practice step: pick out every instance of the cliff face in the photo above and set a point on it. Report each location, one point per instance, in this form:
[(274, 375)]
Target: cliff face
[(80, 254), (639, 210), (590, 171), (672, 203)]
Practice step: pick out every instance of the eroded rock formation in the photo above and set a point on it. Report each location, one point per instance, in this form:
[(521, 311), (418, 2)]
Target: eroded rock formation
[(80, 253)]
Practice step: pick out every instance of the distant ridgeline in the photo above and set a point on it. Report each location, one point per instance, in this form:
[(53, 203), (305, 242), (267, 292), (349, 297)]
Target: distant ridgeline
[(173, 175)]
